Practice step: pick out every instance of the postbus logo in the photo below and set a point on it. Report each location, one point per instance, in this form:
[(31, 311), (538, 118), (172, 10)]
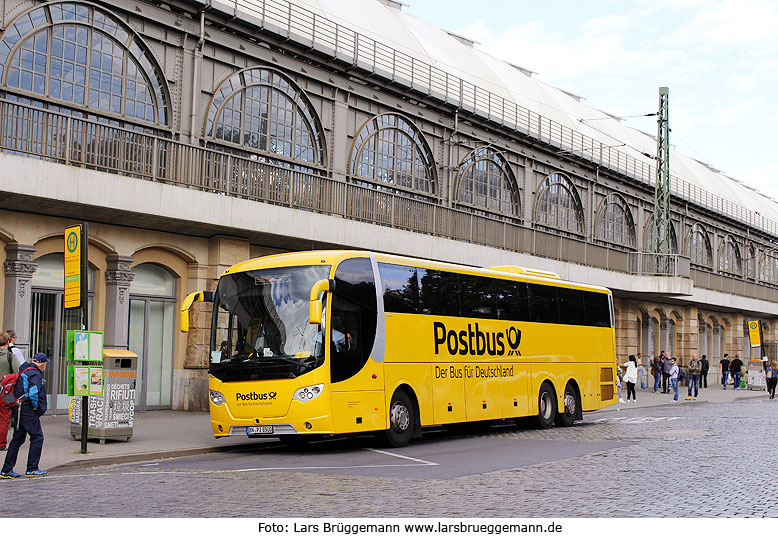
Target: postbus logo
[(476, 342), (254, 396)]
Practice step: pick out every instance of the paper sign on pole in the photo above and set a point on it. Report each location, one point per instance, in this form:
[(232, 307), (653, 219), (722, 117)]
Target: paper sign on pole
[(755, 333), (73, 266)]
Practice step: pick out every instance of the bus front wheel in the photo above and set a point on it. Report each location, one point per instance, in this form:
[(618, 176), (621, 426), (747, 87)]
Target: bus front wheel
[(401, 417), (566, 417), (546, 406)]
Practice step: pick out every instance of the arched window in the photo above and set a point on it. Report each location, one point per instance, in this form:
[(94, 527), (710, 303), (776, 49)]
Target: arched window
[(486, 181), (389, 149), (768, 268), (262, 110), (79, 55), (698, 246), (613, 222), (648, 237), (558, 204), (751, 254), (730, 260)]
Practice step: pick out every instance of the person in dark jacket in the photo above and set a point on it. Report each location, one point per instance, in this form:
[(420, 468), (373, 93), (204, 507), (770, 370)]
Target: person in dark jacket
[(705, 366), (31, 389), (735, 368)]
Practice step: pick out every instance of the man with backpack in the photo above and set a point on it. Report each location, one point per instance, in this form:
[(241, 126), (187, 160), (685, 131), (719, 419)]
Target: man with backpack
[(31, 392), (12, 348), (8, 364)]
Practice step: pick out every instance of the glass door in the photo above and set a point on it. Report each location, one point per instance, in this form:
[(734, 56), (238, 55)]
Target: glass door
[(49, 323), (151, 334)]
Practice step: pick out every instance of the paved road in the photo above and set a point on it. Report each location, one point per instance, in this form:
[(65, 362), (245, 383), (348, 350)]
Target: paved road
[(677, 461)]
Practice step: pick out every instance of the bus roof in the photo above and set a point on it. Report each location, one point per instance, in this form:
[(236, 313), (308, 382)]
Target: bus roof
[(333, 257)]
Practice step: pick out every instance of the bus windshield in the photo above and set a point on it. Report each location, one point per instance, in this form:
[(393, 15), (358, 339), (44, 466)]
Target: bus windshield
[(260, 326)]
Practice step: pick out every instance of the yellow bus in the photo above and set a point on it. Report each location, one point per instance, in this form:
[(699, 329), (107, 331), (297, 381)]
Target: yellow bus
[(331, 342)]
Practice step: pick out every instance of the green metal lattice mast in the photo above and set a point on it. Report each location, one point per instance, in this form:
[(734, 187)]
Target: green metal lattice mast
[(662, 192)]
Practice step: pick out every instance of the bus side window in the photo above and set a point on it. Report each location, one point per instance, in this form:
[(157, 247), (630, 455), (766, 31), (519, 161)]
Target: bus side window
[(401, 288), (353, 319), (512, 301), (478, 297), (439, 293), (597, 309), (571, 306), (543, 303)]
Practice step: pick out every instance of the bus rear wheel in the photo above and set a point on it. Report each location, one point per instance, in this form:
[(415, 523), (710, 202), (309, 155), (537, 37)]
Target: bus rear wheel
[(566, 417), (546, 406), (401, 417)]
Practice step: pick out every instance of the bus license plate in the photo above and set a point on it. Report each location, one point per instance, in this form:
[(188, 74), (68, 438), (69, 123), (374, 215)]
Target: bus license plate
[(259, 430)]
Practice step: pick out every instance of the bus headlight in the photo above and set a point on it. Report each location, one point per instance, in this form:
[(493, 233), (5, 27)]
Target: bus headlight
[(217, 398), (308, 393)]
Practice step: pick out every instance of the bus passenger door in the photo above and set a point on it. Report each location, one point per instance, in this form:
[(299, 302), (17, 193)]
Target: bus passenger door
[(357, 380)]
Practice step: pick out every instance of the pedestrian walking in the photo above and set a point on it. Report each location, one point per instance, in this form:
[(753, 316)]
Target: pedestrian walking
[(8, 364), (618, 382), (656, 370), (724, 370), (704, 367), (674, 378), (773, 380), (735, 368), (667, 364), (631, 378), (31, 388), (13, 348), (695, 368), (641, 372)]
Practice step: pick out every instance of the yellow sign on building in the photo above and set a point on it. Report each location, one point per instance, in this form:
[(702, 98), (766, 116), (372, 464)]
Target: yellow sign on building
[(73, 266), (754, 333)]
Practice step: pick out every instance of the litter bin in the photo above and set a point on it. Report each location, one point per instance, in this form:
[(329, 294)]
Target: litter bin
[(112, 415)]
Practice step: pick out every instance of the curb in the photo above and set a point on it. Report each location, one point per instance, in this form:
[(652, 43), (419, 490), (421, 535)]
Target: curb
[(80, 464)]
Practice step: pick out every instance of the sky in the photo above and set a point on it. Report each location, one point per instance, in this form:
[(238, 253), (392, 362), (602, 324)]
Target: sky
[(719, 59)]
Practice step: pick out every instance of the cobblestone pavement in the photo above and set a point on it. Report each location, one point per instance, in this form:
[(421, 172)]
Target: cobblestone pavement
[(704, 460)]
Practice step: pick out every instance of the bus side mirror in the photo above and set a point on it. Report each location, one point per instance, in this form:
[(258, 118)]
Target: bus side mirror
[(199, 296), (315, 306)]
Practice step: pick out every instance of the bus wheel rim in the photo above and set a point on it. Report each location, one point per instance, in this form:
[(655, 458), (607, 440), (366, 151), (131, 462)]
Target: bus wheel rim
[(570, 404), (401, 416), (545, 405)]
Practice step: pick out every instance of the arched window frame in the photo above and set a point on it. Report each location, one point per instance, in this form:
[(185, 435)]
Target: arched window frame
[(730, 260), (768, 267), (487, 167), (751, 261), (301, 139), (698, 246), (648, 236), (384, 132), (613, 221), (558, 191), (93, 73)]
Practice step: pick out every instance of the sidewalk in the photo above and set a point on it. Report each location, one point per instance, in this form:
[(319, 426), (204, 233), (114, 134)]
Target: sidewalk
[(713, 394), (165, 434), (156, 435)]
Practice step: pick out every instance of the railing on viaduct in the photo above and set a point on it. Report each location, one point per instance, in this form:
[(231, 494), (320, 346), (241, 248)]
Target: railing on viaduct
[(53, 136)]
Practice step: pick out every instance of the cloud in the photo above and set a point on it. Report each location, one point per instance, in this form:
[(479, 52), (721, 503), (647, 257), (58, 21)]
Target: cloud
[(737, 22)]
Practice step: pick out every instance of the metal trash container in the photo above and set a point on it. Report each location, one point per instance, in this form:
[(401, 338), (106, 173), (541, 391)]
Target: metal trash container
[(111, 416)]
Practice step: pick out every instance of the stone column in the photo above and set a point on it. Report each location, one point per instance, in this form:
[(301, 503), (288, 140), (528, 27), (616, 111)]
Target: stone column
[(191, 383), (118, 277), (19, 269)]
